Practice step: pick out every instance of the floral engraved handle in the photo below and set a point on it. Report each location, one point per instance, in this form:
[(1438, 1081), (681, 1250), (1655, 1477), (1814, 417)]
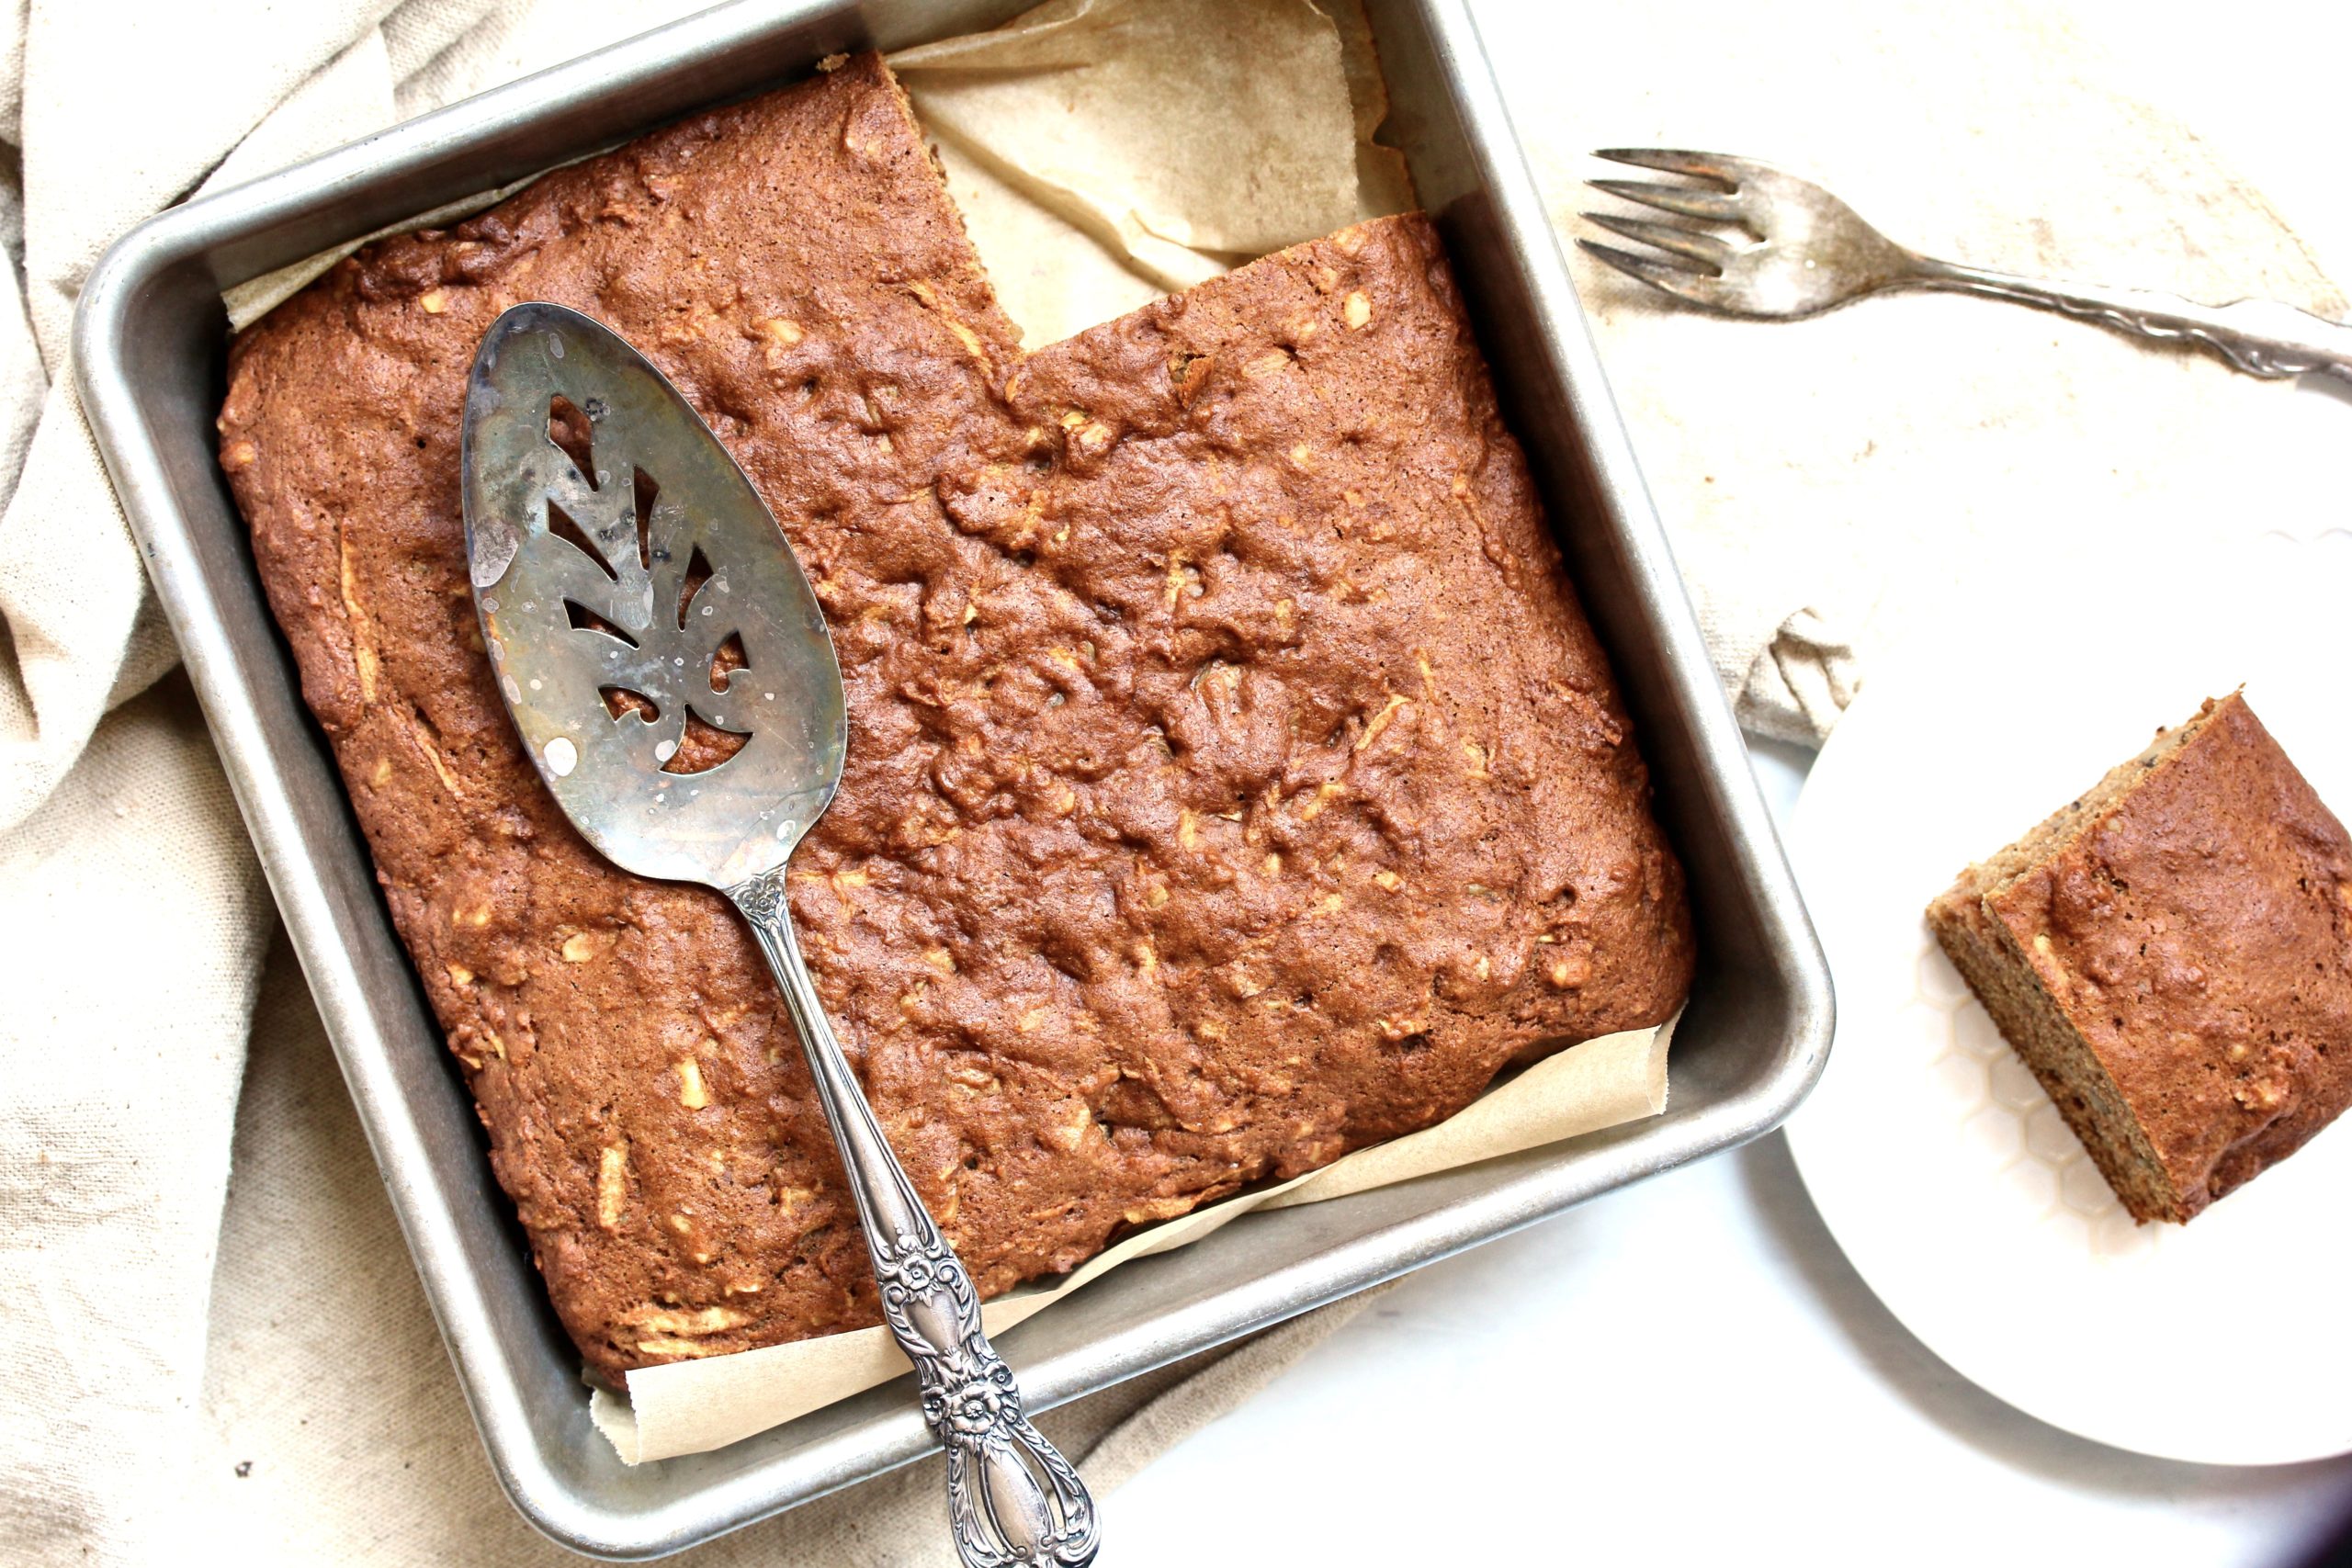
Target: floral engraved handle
[(1013, 1500), (1010, 1495), (2260, 337)]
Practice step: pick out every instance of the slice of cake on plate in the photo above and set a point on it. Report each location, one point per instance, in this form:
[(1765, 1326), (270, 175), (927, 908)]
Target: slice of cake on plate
[(2172, 955)]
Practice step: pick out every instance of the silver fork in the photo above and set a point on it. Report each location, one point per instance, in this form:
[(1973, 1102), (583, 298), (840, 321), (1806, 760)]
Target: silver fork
[(1811, 252)]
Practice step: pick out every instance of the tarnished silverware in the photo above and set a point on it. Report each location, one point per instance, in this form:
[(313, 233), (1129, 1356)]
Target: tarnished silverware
[(1811, 252), (646, 616)]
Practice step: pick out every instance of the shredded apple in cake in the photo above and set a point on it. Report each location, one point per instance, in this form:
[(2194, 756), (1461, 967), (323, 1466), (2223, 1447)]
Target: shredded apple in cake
[(1232, 778)]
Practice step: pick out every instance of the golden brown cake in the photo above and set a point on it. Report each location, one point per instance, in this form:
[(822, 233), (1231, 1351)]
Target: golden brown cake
[(2172, 957), (1232, 779)]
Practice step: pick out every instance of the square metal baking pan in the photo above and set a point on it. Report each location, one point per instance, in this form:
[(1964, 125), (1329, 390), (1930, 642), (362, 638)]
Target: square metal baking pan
[(150, 341)]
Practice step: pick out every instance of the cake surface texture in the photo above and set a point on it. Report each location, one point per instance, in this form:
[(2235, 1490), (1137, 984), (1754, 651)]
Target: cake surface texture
[(2172, 957), (1232, 780)]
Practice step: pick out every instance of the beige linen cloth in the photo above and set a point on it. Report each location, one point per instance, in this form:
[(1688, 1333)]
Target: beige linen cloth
[(248, 1363)]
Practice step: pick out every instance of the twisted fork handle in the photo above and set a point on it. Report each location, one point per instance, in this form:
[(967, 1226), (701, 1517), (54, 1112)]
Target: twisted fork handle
[(1013, 1500), (2261, 337)]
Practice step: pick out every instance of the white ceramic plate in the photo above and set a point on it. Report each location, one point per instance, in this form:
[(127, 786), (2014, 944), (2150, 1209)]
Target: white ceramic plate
[(1943, 1169)]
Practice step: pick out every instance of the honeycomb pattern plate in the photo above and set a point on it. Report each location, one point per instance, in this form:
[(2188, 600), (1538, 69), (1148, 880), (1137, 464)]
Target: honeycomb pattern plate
[(1944, 1171)]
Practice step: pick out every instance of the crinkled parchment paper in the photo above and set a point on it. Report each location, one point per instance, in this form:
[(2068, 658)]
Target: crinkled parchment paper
[(1107, 152), (690, 1406), (1103, 152)]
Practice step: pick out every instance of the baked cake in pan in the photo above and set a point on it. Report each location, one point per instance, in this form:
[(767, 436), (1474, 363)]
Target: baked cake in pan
[(1233, 780)]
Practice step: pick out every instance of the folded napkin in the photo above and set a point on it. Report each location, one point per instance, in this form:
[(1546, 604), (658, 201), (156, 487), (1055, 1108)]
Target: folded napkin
[(297, 1402)]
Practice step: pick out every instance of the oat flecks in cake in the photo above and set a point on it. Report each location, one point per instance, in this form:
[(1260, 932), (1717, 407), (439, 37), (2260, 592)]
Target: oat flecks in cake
[(1232, 780), (2172, 955)]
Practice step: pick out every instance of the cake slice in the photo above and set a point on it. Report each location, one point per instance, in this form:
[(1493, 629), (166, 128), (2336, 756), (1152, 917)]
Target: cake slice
[(2172, 957)]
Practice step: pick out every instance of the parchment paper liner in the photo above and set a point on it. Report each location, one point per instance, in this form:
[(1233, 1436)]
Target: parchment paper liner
[(690, 1406)]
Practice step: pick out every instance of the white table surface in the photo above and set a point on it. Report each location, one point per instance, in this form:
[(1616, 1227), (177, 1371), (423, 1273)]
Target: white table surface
[(1690, 1371)]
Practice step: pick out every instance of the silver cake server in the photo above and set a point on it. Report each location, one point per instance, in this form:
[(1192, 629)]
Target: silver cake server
[(623, 566)]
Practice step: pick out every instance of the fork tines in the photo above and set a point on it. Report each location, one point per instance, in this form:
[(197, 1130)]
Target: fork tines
[(1704, 252), (1691, 260), (1719, 166), (1686, 201)]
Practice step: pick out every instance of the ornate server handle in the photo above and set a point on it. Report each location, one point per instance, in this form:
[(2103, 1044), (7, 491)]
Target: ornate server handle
[(2260, 337), (1012, 1497)]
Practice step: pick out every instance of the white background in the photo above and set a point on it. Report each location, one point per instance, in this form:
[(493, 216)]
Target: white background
[(1689, 1371)]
